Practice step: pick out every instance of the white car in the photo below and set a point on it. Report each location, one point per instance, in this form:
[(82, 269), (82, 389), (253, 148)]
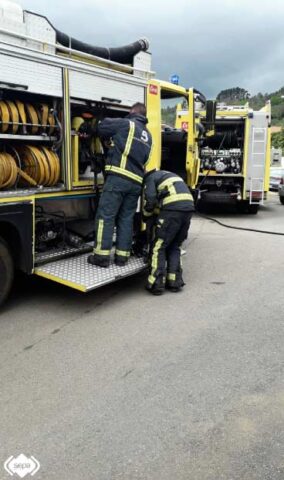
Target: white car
[(275, 177), (281, 188)]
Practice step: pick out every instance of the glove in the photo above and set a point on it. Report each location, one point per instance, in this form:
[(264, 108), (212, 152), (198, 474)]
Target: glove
[(87, 130)]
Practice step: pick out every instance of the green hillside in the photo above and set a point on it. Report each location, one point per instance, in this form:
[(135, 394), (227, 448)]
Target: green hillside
[(240, 96)]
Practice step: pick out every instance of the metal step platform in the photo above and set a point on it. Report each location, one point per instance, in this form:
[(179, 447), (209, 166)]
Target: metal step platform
[(75, 272), (61, 253)]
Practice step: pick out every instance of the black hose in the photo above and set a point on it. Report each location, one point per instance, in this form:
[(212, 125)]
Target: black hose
[(238, 228), (124, 54)]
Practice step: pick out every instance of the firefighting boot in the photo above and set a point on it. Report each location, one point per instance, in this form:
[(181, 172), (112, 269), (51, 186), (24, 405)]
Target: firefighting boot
[(158, 287), (176, 284), (98, 261), (120, 262)]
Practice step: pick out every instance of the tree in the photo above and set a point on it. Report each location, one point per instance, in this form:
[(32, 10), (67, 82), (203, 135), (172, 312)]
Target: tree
[(233, 95), (277, 139)]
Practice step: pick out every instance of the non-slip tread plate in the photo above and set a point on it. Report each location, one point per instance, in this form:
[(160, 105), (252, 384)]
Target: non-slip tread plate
[(56, 254), (77, 272)]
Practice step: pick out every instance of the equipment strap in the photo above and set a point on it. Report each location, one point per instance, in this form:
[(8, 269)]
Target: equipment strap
[(26, 177)]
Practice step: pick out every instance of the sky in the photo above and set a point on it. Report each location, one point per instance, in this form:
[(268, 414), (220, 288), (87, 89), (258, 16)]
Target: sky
[(210, 44)]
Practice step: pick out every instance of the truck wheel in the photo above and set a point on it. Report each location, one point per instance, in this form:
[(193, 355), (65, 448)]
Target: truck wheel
[(6, 270), (242, 207), (282, 200), (253, 209)]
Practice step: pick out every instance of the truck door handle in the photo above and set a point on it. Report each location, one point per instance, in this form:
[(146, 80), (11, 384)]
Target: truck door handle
[(112, 100), (15, 86)]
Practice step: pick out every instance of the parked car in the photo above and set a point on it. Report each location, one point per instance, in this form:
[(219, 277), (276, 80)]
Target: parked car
[(281, 189), (275, 177)]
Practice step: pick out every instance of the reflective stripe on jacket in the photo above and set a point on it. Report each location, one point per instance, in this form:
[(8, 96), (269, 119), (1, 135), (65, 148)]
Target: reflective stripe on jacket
[(165, 190), (131, 146)]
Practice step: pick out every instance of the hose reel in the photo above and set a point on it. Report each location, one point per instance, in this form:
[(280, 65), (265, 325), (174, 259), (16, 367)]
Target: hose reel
[(31, 119), (29, 165)]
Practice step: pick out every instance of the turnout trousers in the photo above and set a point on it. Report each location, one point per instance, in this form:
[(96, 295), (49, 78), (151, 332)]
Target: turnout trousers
[(171, 230), (117, 207)]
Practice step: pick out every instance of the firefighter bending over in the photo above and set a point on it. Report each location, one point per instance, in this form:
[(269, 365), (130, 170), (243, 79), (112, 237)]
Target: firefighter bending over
[(131, 144), (168, 197)]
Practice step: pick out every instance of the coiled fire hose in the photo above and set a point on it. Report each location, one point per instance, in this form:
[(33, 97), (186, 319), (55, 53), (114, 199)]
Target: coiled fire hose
[(8, 171), (31, 118), (27, 164), (39, 166)]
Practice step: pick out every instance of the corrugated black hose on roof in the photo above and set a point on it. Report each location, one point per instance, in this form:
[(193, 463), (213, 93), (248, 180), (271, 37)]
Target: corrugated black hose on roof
[(124, 54)]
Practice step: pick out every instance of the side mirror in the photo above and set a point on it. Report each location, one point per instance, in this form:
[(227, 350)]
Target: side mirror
[(211, 108)]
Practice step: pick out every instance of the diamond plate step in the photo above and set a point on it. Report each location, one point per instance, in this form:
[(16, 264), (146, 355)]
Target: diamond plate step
[(60, 253), (75, 272)]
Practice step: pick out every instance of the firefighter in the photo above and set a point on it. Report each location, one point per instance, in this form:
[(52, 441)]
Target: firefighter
[(167, 206), (127, 156)]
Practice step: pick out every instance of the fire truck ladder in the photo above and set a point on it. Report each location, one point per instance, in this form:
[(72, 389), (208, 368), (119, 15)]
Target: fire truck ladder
[(257, 165)]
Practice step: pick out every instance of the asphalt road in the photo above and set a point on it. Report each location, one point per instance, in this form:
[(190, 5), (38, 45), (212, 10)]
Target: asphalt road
[(118, 384)]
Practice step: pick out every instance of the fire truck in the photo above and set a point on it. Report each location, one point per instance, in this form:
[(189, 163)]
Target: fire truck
[(234, 157), (50, 176)]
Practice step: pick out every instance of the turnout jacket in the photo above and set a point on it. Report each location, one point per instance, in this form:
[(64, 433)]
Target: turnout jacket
[(165, 191), (131, 146)]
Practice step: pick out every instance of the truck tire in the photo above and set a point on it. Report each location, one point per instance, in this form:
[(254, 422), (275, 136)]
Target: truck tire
[(6, 270), (242, 206), (253, 209), (282, 200), (245, 207)]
